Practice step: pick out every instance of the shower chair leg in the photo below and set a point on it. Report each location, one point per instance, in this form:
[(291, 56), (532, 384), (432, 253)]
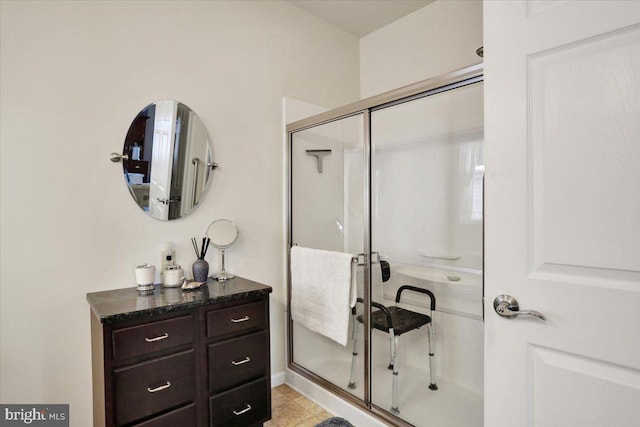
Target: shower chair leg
[(354, 353), (432, 367), (393, 343), (394, 385)]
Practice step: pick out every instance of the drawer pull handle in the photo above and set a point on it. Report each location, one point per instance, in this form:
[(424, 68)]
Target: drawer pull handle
[(242, 362), (242, 319), (247, 409), (162, 387), (161, 337)]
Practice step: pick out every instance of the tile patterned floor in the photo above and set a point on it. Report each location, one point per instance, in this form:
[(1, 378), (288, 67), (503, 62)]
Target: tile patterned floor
[(291, 409)]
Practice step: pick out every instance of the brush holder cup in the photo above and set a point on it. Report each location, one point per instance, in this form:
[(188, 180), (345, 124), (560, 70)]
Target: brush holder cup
[(200, 269)]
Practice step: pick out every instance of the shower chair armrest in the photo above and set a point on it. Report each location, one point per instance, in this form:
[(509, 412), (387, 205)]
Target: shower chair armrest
[(378, 306), (402, 288)]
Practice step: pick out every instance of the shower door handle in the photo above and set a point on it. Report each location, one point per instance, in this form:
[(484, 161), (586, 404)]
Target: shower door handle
[(507, 306)]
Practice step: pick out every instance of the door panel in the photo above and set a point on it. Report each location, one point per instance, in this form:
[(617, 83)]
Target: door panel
[(574, 390), (162, 158), (583, 100), (562, 140)]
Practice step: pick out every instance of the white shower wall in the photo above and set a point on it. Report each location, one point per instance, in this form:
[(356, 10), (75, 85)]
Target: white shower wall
[(427, 187), (427, 166), (327, 206)]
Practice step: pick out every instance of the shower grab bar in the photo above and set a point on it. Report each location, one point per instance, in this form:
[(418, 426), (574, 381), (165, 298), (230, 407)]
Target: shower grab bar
[(196, 163)]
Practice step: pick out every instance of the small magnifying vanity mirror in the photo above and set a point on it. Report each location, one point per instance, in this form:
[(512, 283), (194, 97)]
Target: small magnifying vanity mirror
[(223, 234), (167, 160)]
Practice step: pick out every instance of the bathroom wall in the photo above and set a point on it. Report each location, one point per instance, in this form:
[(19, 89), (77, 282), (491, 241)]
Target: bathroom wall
[(440, 37), (74, 75)]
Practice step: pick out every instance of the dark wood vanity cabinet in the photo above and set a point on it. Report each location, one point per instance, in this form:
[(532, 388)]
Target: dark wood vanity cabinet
[(206, 365), (237, 355)]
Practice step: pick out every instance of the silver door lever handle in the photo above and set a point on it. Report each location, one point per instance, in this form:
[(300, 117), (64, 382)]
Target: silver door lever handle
[(507, 306)]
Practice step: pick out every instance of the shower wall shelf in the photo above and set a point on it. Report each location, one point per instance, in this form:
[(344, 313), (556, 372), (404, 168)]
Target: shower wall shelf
[(443, 256)]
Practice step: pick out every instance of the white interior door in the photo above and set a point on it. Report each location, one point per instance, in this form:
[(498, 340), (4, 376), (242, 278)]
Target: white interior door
[(162, 158), (562, 224)]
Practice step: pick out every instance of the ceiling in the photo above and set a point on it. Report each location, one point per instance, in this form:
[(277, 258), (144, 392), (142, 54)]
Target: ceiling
[(360, 17)]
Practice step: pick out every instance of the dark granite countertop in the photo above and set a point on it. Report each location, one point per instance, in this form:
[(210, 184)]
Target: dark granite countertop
[(119, 305)]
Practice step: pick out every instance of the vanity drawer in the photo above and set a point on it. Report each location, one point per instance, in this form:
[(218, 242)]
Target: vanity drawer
[(237, 361), (236, 319), (242, 406), (180, 417), (150, 337), (146, 388)]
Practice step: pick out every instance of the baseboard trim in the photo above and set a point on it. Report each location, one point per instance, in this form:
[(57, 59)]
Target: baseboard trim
[(278, 378)]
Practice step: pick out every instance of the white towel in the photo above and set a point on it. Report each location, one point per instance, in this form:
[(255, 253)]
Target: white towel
[(323, 288)]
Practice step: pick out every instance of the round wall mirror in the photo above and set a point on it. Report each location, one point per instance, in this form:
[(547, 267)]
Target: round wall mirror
[(167, 160), (223, 234)]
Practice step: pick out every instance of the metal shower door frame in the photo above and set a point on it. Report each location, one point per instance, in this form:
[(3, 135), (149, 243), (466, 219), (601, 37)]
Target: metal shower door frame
[(445, 82)]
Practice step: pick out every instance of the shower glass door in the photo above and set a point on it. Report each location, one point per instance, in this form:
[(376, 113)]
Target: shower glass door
[(327, 211), (396, 182), (426, 222)]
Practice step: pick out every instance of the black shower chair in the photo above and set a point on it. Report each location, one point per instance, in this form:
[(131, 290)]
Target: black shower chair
[(396, 321)]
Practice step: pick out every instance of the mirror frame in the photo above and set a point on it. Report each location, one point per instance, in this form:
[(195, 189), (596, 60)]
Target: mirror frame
[(229, 244)]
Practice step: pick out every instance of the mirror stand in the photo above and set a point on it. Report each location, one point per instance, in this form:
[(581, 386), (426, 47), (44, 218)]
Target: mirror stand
[(222, 275), (223, 234)]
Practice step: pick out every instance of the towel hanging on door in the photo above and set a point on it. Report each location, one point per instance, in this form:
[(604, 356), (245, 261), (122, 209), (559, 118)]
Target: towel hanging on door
[(323, 289)]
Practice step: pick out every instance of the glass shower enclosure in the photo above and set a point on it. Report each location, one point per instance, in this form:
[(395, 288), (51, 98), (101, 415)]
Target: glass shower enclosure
[(396, 182)]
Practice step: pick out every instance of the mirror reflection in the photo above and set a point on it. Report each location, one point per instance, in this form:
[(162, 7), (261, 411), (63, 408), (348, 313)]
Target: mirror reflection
[(168, 161)]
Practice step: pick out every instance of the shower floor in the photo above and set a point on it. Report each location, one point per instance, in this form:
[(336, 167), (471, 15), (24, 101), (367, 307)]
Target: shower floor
[(449, 406)]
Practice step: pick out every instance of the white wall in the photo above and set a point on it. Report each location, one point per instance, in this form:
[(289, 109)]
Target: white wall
[(73, 76), (440, 37)]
